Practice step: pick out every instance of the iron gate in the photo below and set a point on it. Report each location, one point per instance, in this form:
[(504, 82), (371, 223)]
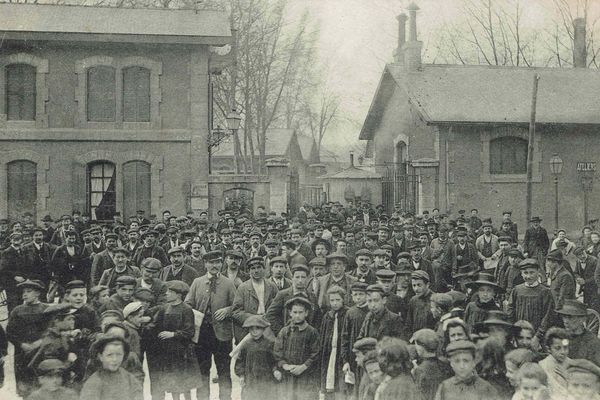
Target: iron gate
[(293, 199), (400, 185)]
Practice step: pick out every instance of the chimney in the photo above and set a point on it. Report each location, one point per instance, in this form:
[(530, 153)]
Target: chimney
[(399, 52), (579, 46), (352, 159), (412, 52)]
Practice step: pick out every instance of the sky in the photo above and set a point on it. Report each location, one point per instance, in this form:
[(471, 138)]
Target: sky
[(357, 38)]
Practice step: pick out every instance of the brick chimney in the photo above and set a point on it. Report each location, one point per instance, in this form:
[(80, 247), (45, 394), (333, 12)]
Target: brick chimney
[(412, 52), (399, 52), (579, 45)]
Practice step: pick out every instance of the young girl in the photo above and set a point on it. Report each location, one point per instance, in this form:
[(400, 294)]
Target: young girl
[(478, 309), (255, 363), (177, 365), (111, 382), (331, 336), (532, 383)]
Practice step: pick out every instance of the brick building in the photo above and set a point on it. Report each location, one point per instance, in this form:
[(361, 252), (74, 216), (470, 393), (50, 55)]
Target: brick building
[(456, 136), (104, 109)]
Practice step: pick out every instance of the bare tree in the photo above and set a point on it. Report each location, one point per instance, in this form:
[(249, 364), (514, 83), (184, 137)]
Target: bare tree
[(321, 113)]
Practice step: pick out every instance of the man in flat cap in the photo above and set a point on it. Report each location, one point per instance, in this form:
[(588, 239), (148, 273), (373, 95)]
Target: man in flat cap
[(232, 267), (121, 267), (178, 270), (150, 270), (443, 259), (213, 296), (277, 313), (150, 249), (125, 287), (562, 282), (363, 258), (105, 259), (379, 321), (253, 297), (337, 276)]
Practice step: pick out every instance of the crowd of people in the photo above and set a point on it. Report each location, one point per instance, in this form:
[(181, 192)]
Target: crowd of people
[(336, 302)]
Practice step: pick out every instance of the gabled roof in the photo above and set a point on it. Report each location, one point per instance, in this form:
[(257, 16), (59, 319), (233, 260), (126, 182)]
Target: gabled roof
[(308, 148), (66, 19), (490, 94)]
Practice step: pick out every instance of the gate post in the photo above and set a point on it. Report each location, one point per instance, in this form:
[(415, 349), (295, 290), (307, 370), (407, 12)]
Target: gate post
[(277, 170)]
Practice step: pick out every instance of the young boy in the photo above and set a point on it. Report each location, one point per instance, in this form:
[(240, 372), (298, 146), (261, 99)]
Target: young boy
[(374, 373), (24, 330), (134, 317), (487, 290), (430, 371), (361, 348), (331, 327), (532, 301), (296, 351), (255, 364), (123, 296), (419, 307), (355, 317), (465, 384), (50, 377)]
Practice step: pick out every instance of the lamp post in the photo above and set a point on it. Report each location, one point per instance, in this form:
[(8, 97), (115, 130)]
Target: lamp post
[(556, 164), (233, 124)]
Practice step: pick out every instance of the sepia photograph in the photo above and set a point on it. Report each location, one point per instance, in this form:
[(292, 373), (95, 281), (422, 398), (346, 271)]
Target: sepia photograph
[(299, 200)]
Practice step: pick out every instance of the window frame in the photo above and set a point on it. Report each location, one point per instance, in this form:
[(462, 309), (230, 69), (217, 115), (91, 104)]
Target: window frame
[(33, 164), (504, 144), (120, 64), (89, 189), (489, 133)]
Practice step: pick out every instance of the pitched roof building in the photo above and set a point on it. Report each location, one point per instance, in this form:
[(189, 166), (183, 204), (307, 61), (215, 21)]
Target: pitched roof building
[(456, 136)]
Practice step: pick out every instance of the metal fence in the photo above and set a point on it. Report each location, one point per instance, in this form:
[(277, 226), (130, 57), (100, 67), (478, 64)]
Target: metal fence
[(400, 186)]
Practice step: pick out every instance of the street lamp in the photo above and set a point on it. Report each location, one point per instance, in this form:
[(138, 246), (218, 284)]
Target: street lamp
[(233, 120), (556, 164)]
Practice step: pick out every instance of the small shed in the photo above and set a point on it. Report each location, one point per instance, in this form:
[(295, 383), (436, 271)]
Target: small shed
[(353, 184)]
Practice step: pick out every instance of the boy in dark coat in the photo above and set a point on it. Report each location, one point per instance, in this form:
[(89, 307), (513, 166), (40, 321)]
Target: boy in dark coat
[(330, 343), (297, 352), (431, 371), (379, 321), (419, 307), (256, 364)]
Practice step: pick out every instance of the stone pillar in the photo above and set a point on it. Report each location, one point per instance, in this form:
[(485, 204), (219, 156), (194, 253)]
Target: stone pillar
[(278, 171), (198, 122)]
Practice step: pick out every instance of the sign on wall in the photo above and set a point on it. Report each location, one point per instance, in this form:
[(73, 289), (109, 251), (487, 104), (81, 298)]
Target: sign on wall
[(586, 166)]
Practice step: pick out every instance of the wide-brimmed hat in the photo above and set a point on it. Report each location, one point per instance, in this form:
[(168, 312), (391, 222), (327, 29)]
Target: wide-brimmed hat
[(484, 281), (573, 308)]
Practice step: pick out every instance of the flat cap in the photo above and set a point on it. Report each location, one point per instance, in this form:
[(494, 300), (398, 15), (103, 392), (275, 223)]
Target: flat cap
[(364, 344), (151, 264), (380, 253), (385, 274), (300, 267), (51, 366), (460, 345), (175, 250), (280, 259), (555, 255), (403, 254), (256, 320), (113, 236), (358, 287), (317, 261), (420, 274), (376, 289), (144, 294), (178, 286), (529, 263), (256, 261), (583, 366), (515, 253), (112, 313), (32, 284), (444, 300), (76, 284), (59, 310), (427, 338), (121, 250), (125, 280), (363, 252), (271, 242), (234, 253), (298, 300), (337, 256), (131, 308)]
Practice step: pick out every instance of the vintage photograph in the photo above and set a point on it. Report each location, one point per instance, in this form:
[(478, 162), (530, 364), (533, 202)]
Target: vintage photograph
[(299, 200)]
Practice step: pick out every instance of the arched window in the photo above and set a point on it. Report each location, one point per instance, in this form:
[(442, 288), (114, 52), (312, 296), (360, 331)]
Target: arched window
[(101, 94), (22, 188), (136, 94), (136, 187), (20, 92), (508, 155), (102, 199)]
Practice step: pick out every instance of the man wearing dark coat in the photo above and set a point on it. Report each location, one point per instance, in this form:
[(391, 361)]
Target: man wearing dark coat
[(68, 262), (562, 283), (178, 270), (39, 254), (14, 269), (379, 321), (150, 249), (337, 276), (104, 259), (582, 343), (586, 272), (150, 270), (536, 243)]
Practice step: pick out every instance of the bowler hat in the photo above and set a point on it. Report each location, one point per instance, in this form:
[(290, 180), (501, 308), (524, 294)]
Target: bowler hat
[(573, 308)]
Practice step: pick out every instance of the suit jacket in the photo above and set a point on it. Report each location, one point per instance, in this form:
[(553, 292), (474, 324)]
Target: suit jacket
[(286, 283), (187, 274), (277, 313), (384, 324), (325, 282), (536, 242), (109, 276), (39, 260), (154, 252), (245, 304), (101, 262), (67, 268), (200, 297), (562, 286)]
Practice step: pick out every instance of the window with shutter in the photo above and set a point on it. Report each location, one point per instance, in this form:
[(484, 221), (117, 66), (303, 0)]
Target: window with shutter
[(136, 187), (508, 156), (101, 94), (21, 188), (136, 94), (102, 199), (20, 92)]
